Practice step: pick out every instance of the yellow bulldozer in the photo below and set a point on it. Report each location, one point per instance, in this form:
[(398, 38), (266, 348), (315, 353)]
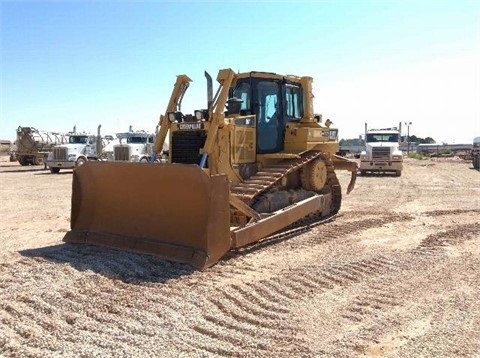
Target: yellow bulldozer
[(256, 161)]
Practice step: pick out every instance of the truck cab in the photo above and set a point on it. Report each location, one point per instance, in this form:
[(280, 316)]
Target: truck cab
[(134, 146), (382, 152), (81, 147)]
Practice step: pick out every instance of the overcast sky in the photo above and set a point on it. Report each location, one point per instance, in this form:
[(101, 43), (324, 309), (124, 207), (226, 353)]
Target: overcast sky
[(84, 63)]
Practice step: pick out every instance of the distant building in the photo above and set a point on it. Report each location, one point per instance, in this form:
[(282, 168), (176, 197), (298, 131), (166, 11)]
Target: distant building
[(436, 148), (5, 146)]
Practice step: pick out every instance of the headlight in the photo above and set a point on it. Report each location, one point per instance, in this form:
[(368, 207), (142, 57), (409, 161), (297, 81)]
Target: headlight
[(396, 157), (72, 157), (134, 158), (171, 116), (363, 156)]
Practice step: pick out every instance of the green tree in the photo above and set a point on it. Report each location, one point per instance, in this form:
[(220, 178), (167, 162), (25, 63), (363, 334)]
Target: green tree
[(414, 139)]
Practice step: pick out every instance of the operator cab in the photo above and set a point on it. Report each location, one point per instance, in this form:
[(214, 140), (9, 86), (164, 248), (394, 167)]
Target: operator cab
[(275, 102)]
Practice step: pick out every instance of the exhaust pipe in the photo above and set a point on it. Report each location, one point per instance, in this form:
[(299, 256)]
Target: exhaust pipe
[(365, 138), (209, 89), (99, 141), (399, 132)]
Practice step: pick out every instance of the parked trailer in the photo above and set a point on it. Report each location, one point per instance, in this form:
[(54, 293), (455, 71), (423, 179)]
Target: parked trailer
[(476, 153), (33, 145)]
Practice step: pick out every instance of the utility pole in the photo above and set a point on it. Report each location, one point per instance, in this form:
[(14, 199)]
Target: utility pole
[(408, 124)]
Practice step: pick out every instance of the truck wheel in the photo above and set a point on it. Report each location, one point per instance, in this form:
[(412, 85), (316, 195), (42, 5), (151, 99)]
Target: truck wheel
[(54, 170), (80, 162), (363, 172), (398, 173), (144, 160), (22, 160), (38, 161)]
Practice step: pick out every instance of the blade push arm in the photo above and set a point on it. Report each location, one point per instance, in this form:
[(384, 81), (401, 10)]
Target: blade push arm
[(179, 89), (225, 78)]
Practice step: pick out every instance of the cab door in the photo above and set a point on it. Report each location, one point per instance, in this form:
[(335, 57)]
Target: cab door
[(243, 129), (270, 116)]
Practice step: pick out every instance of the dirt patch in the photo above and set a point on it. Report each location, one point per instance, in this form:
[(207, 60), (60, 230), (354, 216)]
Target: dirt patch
[(394, 274)]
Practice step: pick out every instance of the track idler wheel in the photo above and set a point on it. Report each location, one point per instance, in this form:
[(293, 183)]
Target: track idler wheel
[(314, 175)]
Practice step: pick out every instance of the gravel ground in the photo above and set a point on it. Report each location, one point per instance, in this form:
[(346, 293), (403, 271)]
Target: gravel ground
[(395, 274)]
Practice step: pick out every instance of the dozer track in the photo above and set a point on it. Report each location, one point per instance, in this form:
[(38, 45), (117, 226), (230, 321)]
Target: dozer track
[(268, 177)]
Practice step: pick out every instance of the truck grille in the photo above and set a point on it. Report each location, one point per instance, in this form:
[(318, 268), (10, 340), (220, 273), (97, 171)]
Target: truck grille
[(186, 145), (60, 153), (381, 153), (121, 153)]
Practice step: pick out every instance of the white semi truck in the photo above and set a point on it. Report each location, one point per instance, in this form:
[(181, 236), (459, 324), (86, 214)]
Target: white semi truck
[(134, 146), (80, 148), (382, 152)]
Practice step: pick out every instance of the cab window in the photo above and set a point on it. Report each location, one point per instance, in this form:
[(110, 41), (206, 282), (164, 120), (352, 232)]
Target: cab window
[(242, 91), (268, 101), (294, 102)]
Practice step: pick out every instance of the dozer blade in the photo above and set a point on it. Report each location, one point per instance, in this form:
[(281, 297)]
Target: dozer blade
[(175, 211)]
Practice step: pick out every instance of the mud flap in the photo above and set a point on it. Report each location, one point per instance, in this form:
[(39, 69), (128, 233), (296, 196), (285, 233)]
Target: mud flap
[(175, 211)]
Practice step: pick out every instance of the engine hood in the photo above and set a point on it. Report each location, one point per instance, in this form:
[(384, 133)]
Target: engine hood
[(73, 148)]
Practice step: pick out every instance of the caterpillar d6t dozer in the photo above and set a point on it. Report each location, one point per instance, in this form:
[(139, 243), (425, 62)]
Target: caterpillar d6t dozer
[(256, 161)]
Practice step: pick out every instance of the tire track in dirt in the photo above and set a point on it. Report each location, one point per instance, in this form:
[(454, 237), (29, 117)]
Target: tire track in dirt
[(299, 282), (239, 321), (342, 229), (261, 312), (374, 308), (376, 298), (317, 235), (93, 304), (435, 213), (236, 314), (234, 332), (432, 245), (451, 237), (263, 307)]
